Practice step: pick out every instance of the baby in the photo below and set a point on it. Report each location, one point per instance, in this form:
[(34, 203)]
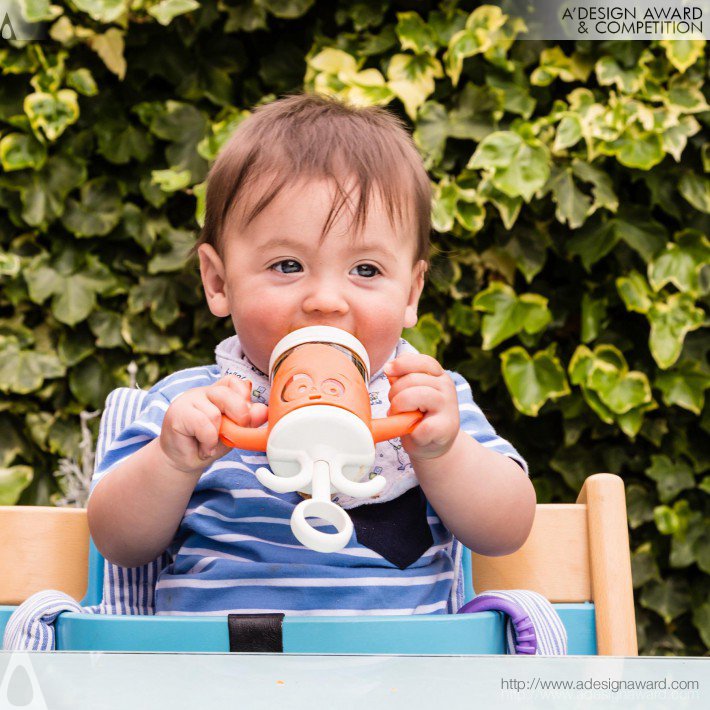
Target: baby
[(317, 213)]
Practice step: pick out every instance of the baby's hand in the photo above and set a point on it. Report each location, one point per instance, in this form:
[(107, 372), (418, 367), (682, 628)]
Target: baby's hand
[(420, 382), (190, 433)]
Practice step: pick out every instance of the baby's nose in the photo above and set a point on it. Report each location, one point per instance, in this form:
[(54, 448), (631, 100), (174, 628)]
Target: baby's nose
[(325, 298)]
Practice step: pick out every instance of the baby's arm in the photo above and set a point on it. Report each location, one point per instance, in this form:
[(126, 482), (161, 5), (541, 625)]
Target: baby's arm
[(135, 511), (483, 497)]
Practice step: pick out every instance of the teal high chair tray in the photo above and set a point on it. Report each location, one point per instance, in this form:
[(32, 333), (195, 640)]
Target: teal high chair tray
[(481, 633)]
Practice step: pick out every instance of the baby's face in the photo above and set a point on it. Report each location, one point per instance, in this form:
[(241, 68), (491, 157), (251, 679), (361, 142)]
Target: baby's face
[(275, 275)]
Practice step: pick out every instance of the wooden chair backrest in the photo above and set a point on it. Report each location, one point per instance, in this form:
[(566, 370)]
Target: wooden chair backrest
[(576, 552), (42, 548)]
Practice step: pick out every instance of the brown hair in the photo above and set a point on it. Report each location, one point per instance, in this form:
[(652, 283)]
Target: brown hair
[(312, 136)]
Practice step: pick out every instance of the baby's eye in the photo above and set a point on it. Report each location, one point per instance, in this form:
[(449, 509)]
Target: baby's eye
[(287, 266), (366, 270)]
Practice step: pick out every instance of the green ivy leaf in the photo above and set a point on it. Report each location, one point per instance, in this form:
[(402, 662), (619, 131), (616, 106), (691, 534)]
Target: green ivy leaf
[(145, 337), (593, 242), (684, 386), (639, 505), (75, 301), (517, 167), (670, 321), (73, 293), (98, 210), (426, 335), (528, 247), (287, 9), (105, 11), (644, 567), (593, 317), (532, 381), (681, 263), (639, 149), (668, 598), (554, 64), (51, 114), (91, 383), (24, 371), (477, 36), (247, 17), (175, 246), (675, 137), (573, 205), (411, 78), (471, 215), (474, 113), (682, 54), (603, 194), (13, 481), (106, 326), (11, 443), (74, 346), (19, 151), (696, 190), (171, 180), (508, 314), (119, 141), (628, 81), (671, 477), (44, 193), (701, 620), (184, 126), (415, 34), (463, 319), (431, 132), (167, 10), (160, 295), (611, 390), (569, 133), (110, 46), (620, 391), (635, 292), (83, 81)]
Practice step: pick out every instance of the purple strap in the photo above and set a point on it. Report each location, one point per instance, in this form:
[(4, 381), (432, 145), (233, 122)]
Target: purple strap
[(525, 637)]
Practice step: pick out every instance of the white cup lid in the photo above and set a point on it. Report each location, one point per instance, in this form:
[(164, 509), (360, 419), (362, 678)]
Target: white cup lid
[(320, 334)]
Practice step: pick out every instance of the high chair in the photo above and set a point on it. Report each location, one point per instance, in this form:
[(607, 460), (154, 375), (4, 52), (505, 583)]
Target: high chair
[(577, 556)]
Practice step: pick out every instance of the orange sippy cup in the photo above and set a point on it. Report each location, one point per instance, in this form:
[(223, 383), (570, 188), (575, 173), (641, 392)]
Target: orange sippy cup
[(320, 438)]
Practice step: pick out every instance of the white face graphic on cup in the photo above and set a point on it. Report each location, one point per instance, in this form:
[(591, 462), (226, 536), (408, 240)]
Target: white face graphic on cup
[(302, 386)]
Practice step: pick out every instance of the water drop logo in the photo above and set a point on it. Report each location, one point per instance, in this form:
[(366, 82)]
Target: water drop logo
[(15, 28), (6, 30), (20, 687)]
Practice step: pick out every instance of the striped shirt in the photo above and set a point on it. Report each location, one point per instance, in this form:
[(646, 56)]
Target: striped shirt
[(234, 551)]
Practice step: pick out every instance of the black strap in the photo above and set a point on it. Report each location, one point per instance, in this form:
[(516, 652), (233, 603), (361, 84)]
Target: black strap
[(255, 633)]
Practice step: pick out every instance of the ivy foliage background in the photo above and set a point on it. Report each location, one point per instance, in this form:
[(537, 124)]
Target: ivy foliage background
[(568, 281)]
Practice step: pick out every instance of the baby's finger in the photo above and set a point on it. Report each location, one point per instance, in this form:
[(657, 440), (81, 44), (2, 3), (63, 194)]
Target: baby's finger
[(209, 409), (412, 380), (229, 403), (206, 433), (425, 399), (258, 413), (413, 362), (433, 431), (236, 383)]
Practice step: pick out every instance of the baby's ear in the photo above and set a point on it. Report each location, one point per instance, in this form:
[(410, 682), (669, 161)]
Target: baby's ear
[(213, 280), (410, 312)]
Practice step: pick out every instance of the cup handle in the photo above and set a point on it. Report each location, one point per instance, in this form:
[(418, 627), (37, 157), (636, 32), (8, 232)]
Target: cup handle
[(314, 539), (395, 425), (241, 437)]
